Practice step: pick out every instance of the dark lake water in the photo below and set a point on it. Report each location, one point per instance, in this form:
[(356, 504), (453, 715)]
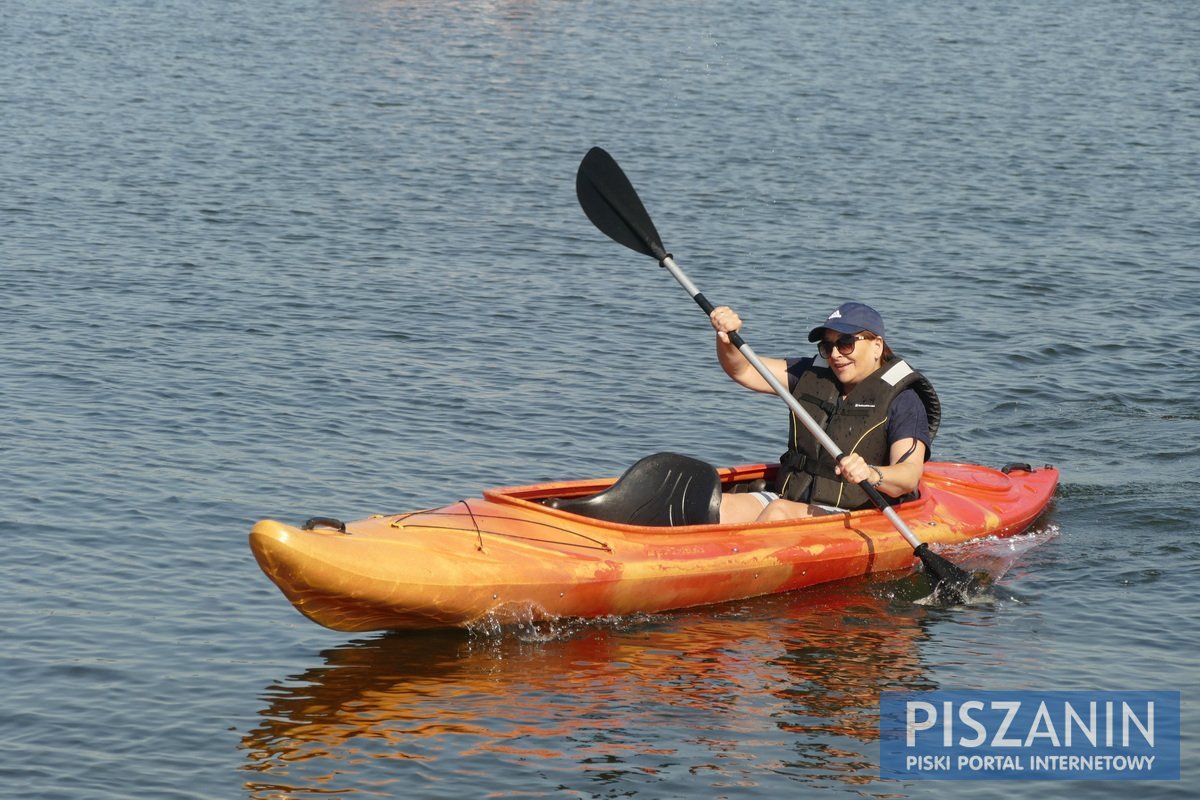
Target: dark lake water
[(289, 258)]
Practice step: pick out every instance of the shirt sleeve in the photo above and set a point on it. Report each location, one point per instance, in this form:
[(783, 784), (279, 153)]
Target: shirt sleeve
[(907, 419)]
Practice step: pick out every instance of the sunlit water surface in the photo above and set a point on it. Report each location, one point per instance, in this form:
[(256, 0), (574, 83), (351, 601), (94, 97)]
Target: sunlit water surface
[(293, 258)]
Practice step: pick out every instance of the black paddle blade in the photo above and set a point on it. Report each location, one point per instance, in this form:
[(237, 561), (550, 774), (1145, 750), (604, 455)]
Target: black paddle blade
[(610, 202), (951, 585)]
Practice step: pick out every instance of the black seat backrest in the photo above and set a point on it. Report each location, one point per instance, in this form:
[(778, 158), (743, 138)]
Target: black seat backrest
[(664, 489)]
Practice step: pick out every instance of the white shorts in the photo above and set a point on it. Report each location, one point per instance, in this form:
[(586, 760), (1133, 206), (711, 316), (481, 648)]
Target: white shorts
[(766, 497)]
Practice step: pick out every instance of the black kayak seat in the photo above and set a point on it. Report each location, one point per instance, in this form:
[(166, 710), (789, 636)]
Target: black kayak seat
[(664, 489)]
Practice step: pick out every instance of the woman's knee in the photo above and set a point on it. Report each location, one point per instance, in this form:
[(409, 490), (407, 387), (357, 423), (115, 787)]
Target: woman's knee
[(739, 508)]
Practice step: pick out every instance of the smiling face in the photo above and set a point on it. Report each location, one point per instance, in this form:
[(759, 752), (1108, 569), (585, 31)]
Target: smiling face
[(851, 368)]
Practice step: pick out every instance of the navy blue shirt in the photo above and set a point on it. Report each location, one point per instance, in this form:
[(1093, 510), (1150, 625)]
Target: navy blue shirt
[(907, 417)]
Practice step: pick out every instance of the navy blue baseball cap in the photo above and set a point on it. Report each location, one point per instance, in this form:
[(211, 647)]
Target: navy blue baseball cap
[(850, 318)]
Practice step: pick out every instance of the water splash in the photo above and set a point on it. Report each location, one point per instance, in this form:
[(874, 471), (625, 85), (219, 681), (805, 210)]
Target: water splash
[(988, 560), (529, 623)]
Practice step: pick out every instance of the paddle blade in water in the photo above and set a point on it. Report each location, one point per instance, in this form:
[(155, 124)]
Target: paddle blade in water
[(952, 585), (610, 202)]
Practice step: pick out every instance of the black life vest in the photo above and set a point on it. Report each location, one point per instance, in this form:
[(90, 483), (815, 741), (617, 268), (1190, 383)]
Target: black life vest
[(858, 424)]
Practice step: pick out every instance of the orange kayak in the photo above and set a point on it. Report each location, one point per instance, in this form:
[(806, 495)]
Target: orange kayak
[(590, 548)]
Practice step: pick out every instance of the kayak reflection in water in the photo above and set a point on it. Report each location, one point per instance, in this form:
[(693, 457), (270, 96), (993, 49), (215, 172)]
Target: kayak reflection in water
[(701, 697), (878, 409)]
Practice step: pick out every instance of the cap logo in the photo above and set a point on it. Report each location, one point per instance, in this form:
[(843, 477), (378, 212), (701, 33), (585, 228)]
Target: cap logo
[(837, 314)]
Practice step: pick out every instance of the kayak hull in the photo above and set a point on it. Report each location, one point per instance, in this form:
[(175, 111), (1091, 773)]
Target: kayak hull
[(508, 553)]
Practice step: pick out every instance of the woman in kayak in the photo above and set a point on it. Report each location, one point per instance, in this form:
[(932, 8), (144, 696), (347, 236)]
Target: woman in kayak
[(873, 405)]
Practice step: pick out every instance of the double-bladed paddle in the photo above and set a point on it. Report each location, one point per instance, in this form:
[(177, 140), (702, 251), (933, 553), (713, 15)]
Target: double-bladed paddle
[(612, 204)]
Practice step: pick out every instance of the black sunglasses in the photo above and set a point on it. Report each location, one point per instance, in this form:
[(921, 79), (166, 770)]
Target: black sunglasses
[(844, 344)]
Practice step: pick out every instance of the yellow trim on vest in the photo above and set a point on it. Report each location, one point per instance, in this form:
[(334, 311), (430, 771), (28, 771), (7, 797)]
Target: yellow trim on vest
[(866, 433)]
